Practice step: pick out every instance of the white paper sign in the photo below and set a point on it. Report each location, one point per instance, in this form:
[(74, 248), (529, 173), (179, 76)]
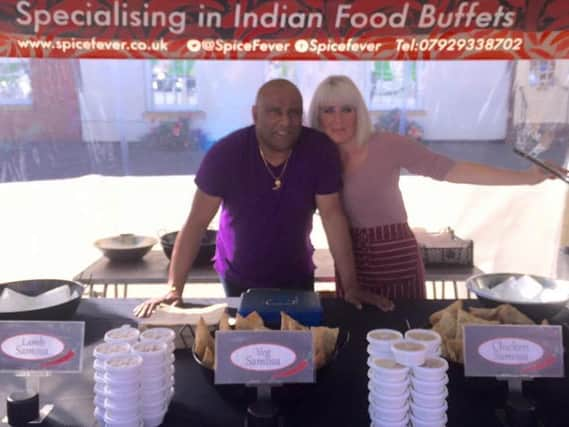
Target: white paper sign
[(41, 346)]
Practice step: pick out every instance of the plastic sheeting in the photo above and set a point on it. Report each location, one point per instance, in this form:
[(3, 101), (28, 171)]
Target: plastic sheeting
[(91, 148)]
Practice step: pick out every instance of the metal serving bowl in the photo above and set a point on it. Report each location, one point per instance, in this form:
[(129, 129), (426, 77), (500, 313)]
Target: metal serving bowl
[(207, 247), (536, 310), (126, 247), (60, 310)]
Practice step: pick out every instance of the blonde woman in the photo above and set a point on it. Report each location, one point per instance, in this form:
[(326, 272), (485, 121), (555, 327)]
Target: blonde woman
[(386, 252)]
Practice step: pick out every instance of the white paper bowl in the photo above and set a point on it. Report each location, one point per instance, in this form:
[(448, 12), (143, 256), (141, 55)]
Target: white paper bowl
[(428, 400), (429, 387), (430, 338), (388, 402), (151, 352), (117, 385), (123, 414), (122, 406), (408, 353), (388, 370), (429, 414), (380, 340), (99, 400), (113, 422), (99, 414), (118, 395), (124, 334), (153, 420), (105, 351), (417, 422), (158, 335), (380, 423), (379, 352), (99, 377), (434, 369), (99, 388), (383, 414), (389, 388), (122, 389), (123, 367)]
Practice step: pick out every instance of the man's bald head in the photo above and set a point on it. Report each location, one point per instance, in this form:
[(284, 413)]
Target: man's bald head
[(276, 84), (277, 114)]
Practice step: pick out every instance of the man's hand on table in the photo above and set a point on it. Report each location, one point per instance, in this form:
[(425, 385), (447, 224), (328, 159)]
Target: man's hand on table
[(147, 307), (358, 296)]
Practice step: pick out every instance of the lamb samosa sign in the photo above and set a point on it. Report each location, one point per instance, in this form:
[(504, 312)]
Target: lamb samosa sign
[(300, 29)]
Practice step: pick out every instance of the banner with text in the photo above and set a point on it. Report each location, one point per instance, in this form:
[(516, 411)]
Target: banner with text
[(294, 29)]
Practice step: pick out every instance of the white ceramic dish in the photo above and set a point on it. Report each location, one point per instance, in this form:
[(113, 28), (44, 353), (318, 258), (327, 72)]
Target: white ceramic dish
[(123, 367), (434, 369), (379, 423), (379, 352), (113, 422), (105, 351), (389, 388), (417, 422), (429, 400), (429, 387), (153, 421), (388, 370), (408, 353), (158, 335), (388, 402), (431, 339), (429, 414), (380, 340), (124, 334), (383, 414)]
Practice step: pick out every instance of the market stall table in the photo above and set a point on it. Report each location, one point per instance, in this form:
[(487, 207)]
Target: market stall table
[(153, 269), (340, 398)]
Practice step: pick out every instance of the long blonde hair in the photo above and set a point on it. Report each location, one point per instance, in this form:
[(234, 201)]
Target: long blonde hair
[(341, 90)]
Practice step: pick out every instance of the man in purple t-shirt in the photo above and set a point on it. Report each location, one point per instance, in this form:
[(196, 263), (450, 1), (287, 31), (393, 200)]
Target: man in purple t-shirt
[(269, 179)]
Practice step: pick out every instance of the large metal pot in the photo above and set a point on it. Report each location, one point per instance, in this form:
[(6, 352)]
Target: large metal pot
[(207, 248)]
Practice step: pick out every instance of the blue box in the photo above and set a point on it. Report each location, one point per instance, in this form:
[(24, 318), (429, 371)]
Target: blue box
[(303, 306)]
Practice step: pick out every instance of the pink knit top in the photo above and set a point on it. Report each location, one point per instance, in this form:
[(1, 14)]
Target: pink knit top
[(371, 192)]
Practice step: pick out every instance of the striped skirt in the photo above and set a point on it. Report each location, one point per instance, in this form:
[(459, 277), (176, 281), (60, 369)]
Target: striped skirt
[(388, 261)]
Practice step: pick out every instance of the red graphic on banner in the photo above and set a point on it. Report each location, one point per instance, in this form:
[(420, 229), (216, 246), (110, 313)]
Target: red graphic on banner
[(309, 29)]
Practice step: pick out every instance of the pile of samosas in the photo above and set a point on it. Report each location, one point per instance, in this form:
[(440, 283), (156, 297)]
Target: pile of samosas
[(323, 338), (449, 324)]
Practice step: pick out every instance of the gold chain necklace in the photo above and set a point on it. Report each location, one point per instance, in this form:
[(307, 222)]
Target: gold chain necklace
[(278, 180)]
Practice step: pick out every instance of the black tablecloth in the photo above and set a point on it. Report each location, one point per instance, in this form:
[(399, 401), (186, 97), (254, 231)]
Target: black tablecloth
[(339, 398)]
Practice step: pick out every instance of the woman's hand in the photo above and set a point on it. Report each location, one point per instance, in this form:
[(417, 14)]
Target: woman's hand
[(357, 297), (147, 307)]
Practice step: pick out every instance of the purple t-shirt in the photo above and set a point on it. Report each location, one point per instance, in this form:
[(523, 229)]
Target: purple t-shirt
[(264, 234)]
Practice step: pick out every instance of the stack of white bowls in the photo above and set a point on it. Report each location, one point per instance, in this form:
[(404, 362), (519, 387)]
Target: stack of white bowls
[(388, 381), (379, 343), (160, 335), (407, 379), (388, 393), (102, 353), (429, 392), (156, 383), (165, 336), (122, 391), (134, 380)]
